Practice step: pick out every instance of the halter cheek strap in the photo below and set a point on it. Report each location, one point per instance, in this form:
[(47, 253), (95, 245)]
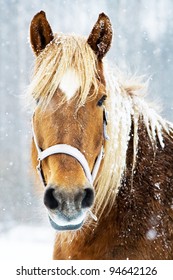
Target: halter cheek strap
[(105, 122), (71, 151)]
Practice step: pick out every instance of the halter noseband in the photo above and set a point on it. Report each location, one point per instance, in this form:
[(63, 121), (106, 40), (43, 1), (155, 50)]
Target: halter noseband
[(71, 151)]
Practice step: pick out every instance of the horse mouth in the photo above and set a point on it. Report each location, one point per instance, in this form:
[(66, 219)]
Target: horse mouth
[(65, 227), (62, 223)]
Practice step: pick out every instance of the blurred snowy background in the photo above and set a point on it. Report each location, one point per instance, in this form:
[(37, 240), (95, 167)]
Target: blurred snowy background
[(143, 43)]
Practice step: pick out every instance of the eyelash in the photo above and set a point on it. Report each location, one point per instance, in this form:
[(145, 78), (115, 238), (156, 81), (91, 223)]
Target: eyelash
[(101, 101)]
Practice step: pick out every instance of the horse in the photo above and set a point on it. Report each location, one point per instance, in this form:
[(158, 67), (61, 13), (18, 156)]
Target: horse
[(103, 154)]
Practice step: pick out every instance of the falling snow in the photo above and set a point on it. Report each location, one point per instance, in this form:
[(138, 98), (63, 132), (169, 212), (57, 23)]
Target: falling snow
[(150, 53), (151, 234)]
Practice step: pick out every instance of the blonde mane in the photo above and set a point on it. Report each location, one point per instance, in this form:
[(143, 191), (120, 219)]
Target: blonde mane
[(124, 104)]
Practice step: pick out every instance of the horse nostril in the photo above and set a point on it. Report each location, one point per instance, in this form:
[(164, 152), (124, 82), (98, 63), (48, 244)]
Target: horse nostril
[(49, 199), (88, 198), (65, 201)]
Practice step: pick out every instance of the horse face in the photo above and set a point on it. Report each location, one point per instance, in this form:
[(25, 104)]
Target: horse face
[(68, 194)]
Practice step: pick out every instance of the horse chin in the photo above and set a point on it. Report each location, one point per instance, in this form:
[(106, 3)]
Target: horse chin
[(61, 223), (65, 227)]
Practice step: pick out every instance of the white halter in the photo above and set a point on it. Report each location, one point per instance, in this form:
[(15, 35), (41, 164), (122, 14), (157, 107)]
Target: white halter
[(71, 151)]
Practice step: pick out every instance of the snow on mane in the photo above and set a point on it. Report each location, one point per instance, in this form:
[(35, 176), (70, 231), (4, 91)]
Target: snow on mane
[(125, 105)]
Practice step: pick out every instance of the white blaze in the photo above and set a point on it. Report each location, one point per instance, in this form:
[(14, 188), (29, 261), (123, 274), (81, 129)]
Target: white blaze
[(70, 83)]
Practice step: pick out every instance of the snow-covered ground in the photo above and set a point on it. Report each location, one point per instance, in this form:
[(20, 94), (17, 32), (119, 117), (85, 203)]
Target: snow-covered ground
[(26, 242)]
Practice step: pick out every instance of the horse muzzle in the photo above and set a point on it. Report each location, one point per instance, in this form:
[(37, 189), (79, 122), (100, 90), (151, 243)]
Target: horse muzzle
[(67, 210)]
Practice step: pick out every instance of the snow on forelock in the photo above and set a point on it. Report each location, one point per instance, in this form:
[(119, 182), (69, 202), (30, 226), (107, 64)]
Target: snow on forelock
[(27, 243)]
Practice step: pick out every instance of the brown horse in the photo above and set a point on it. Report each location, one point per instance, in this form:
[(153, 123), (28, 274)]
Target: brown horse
[(129, 188)]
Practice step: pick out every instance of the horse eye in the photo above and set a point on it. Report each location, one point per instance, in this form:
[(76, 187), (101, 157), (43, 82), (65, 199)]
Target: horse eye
[(101, 101)]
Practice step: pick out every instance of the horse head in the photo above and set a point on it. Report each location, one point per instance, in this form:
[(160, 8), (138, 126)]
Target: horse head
[(69, 121)]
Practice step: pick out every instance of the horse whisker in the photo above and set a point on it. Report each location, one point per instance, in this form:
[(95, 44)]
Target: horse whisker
[(92, 215)]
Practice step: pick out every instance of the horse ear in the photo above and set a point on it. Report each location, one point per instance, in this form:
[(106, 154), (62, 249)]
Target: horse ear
[(40, 32), (101, 36)]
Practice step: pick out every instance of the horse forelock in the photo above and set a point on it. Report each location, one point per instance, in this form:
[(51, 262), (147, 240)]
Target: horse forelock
[(69, 64)]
